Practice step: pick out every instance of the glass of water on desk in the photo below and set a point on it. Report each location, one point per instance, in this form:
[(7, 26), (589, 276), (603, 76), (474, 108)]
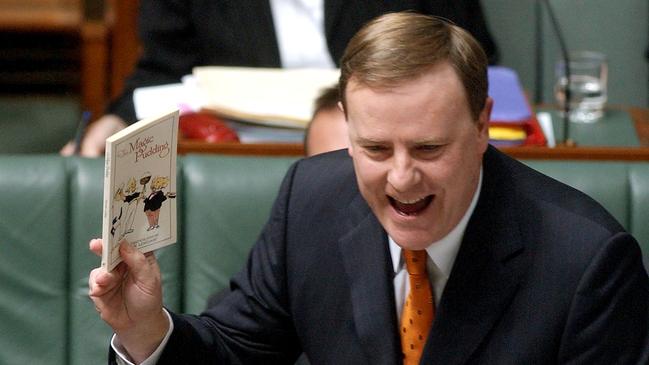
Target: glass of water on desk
[(587, 84)]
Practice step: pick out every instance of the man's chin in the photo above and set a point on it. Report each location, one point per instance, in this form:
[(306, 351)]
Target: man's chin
[(412, 240)]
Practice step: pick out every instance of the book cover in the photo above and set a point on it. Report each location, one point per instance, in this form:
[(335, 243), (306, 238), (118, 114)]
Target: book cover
[(140, 187)]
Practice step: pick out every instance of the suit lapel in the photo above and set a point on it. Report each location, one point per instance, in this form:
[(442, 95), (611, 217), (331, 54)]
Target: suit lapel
[(484, 279), (368, 267)]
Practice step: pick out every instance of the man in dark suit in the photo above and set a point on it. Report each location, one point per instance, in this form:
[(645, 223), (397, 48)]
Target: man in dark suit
[(517, 268), (178, 35)]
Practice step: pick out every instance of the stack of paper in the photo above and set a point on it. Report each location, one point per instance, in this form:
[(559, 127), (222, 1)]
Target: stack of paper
[(268, 96)]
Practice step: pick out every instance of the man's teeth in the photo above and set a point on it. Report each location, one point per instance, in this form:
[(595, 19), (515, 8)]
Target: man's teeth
[(410, 201)]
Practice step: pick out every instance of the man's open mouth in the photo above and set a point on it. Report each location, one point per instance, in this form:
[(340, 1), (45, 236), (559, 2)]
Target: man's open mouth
[(412, 207)]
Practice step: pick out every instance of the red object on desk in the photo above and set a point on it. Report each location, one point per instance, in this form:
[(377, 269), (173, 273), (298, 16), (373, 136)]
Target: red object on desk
[(535, 136), (532, 128), (206, 127)]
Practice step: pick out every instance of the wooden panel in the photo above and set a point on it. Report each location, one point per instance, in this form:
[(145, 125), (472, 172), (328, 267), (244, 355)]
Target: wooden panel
[(38, 15), (44, 18), (579, 153), (262, 149), (94, 67), (39, 61), (32, 4), (125, 47), (641, 118)]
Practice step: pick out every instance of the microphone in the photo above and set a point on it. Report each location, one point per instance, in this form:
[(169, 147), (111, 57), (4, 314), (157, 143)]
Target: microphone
[(566, 64), (538, 50)]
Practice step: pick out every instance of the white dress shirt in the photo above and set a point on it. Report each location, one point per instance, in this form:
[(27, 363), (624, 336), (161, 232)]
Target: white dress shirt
[(122, 357), (299, 29)]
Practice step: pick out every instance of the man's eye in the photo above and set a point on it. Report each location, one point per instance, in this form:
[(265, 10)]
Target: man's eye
[(428, 147), (377, 152), (429, 151), (373, 148)]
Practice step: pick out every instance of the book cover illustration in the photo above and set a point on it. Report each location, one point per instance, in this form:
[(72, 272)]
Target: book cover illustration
[(140, 187)]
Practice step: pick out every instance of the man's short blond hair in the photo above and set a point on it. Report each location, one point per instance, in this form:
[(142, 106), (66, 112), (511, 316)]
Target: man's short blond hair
[(399, 47)]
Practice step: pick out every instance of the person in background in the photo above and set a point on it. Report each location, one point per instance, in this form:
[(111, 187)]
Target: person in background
[(178, 35), (420, 244), (327, 130)]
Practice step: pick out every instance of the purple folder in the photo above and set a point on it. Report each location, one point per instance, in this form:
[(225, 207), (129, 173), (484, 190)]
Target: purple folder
[(510, 104)]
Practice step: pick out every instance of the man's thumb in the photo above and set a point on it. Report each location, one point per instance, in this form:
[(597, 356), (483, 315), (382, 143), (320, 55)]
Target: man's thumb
[(133, 258)]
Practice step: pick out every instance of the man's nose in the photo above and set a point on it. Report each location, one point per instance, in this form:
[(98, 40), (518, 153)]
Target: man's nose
[(403, 174)]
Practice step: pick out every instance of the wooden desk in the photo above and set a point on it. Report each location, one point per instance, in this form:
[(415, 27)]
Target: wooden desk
[(640, 118), (67, 17)]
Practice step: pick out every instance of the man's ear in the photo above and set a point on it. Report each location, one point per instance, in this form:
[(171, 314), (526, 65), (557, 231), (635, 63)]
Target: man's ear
[(350, 148), (485, 116), (483, 121)]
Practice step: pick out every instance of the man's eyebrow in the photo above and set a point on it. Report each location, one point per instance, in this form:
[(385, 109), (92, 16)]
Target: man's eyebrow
[(428, 141), (366, 140)]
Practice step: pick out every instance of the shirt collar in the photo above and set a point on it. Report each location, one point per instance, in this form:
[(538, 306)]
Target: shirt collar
[(444, 251)]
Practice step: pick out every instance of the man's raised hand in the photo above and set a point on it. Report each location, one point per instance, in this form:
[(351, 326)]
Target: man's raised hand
[(129, 299)]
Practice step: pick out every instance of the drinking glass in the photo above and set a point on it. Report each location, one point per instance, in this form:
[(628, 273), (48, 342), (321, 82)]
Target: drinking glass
[(588, 84)]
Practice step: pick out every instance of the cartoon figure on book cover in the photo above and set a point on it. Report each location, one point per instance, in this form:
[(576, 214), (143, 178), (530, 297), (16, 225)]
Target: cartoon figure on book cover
[(123, 223), (153, 202)]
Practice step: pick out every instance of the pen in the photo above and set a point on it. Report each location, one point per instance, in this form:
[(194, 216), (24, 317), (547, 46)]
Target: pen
[(81, 128)]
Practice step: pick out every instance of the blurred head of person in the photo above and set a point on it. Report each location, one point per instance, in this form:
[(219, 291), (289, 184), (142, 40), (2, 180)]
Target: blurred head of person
[(327, 130)]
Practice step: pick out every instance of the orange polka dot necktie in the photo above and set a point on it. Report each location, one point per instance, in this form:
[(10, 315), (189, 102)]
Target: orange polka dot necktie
[(418, 310)]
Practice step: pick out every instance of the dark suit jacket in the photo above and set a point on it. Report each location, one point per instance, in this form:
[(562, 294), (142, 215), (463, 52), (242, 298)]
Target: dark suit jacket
[(178, 35), (543, 276)]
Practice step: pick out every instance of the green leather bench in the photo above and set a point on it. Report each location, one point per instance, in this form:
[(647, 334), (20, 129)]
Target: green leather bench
[(51, 207)]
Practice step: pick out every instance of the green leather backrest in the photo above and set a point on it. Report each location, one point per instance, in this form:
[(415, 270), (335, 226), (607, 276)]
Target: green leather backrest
[(639, 224), (33, 260), (605, 182), (89, 335), (226, 215), (621, 187), (51, 207)]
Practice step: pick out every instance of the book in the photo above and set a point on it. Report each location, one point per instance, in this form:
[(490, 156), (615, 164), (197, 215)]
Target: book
[(512, 121), (140, 187), (266, 96), (510, 103)]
